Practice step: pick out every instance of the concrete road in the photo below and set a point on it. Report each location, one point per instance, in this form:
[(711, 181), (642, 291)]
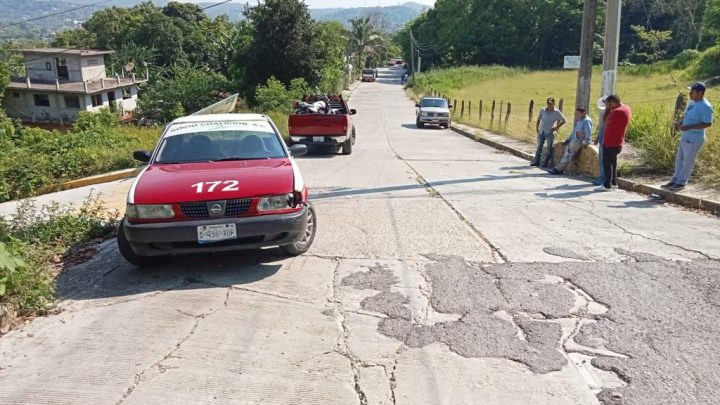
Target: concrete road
[(444, 272)]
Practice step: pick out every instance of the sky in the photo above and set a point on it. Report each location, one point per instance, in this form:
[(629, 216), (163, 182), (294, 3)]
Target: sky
[(351, 3)]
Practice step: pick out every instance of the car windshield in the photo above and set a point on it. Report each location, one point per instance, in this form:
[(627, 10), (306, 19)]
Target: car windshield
[(434, 102), (221, 141), (368, 72)]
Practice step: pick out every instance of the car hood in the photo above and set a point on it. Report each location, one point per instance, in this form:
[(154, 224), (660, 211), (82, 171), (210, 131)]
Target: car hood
[(174, 183), (435, 109)]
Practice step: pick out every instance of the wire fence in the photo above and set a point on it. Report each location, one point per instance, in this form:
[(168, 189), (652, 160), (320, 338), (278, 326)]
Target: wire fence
[(518, 119)]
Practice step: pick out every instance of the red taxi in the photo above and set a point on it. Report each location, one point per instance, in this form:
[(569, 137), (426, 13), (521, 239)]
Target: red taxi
[(215, 183)]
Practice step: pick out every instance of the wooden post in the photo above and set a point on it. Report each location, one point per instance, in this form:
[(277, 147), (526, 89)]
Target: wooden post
[(454, 104), (492, 113), (462, 109), (501, 110), (531, 111), (480, 114), (507, 114), (469, 108), (560, 105)]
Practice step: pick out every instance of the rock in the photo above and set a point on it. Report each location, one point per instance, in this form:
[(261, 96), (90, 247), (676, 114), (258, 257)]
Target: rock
[(8, 315), (585, 163)]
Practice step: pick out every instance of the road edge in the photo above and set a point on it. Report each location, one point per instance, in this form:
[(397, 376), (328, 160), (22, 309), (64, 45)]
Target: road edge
[(686, 201)]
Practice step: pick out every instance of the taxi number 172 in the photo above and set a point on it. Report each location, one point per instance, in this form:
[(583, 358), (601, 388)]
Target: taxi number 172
[(210, 186)]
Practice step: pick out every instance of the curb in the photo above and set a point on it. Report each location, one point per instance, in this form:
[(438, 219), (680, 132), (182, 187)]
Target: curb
[(93, 180), (710, 206)]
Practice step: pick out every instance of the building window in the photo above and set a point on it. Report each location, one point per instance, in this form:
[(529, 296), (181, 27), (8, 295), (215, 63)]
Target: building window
[(93, 62), (16, 94), (126, 94), (72, 102), (48, 66), (42, 100), (97, 100)]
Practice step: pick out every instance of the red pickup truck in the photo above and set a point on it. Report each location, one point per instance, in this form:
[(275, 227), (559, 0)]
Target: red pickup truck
[(323, 121)]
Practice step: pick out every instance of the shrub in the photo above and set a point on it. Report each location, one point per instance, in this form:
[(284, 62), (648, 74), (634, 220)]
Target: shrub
[(652, 131), (707, 65), (275, 96), (685, 58), (102, 119), (33, 238)]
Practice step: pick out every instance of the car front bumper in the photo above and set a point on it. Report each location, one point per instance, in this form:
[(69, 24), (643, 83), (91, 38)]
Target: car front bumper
[(174, 238), (434, 120), (319, 140)]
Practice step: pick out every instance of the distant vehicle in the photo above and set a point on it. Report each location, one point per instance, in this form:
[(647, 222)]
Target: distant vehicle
[(330, 126), (434, 111), (217, 183), (369, 75), (399, 62)]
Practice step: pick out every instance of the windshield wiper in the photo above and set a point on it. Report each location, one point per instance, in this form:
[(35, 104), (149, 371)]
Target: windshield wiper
[(231, 159)]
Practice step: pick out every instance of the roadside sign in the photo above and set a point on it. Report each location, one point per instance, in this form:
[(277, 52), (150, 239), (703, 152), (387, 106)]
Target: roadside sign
[(572, 62), (221, 107)]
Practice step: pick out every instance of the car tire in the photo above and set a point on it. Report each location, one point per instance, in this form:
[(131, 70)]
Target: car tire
[(347, 146), (419, 124), (354, 136), (446, 126), (302, 244), (129, 254)]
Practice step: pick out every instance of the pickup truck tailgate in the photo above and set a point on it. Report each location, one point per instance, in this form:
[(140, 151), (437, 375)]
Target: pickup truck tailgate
[(318, 125)]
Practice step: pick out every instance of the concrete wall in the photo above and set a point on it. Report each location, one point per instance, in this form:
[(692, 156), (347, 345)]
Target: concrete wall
[(79, 68), (24, 107)]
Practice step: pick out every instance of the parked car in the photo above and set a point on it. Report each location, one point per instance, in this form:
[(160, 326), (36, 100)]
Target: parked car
[(330, 127), (433, 110), (369, 75), (217, 183)]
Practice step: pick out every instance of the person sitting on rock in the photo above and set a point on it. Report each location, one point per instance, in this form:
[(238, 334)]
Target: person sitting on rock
[(578, 140)]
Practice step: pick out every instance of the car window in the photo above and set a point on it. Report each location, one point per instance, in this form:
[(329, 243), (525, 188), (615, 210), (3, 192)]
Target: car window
[(368, 72), (219, 143), (433, 102)]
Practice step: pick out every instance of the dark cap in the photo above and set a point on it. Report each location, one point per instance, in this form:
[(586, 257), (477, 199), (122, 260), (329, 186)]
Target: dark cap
[(698, 86)]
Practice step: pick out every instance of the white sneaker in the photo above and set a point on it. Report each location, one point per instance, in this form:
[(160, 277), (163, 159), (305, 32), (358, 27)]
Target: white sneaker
[(603, 189)]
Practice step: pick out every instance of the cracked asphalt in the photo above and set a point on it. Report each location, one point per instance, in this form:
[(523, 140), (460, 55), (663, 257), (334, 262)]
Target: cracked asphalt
[(443, 272)]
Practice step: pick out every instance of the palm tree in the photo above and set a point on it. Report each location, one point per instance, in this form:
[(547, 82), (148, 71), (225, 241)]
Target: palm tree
[(366, 41)]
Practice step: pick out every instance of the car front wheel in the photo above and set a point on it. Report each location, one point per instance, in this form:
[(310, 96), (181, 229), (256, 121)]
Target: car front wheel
[(304, 241), (129, 254)]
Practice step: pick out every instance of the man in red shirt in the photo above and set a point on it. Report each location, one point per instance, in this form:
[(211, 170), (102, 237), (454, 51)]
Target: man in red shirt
[(616, 126)]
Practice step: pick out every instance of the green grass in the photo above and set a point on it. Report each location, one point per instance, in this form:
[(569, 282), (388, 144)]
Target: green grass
[(32, 243), (36, 160), (651, 92)]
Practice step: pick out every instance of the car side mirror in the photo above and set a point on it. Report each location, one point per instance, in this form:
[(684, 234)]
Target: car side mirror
[(298, 150), (417, 105), (142, 156), (353, 111)]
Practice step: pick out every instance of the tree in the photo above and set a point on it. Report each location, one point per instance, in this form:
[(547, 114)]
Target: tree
[(282, 45), (184, 91), (331, 40), (365, 41)]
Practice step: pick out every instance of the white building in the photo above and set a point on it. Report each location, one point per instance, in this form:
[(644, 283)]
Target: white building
[(62, 82)]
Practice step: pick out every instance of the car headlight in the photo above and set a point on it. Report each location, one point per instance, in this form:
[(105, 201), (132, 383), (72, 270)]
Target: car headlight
[(424, 113), (155, 211), (275, 203)]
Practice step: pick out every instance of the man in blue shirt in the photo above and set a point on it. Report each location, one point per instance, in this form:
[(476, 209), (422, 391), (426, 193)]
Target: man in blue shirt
[(579, 139), (698, 117)]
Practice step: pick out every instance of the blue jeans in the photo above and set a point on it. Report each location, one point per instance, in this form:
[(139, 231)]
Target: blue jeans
[(685, 160), (601, 179), (542, 139)]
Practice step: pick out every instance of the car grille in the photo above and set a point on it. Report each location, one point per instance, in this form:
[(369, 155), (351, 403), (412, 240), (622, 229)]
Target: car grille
[(430, 114), (200, 210), (195, 209), (443, 115), (237, 207)]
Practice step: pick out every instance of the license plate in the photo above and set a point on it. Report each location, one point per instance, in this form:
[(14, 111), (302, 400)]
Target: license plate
[(318, 139), (436, 120), (216, 233)]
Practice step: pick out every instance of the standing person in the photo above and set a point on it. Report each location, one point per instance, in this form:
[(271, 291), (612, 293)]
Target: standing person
[(579, 139), (616, 126), (604, 112), (549, 120), (698, 117)]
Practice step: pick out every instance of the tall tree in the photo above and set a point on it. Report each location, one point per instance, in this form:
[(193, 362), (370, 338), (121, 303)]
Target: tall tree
[(282, 45), (366, 40)]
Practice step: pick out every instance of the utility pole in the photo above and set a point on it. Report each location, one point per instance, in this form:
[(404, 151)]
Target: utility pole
[(582, 97), (412, 53), (419, 63), (612, 43)]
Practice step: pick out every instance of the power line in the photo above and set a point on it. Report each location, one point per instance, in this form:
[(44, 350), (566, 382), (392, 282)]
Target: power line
[(215, 5), (53, 14)]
